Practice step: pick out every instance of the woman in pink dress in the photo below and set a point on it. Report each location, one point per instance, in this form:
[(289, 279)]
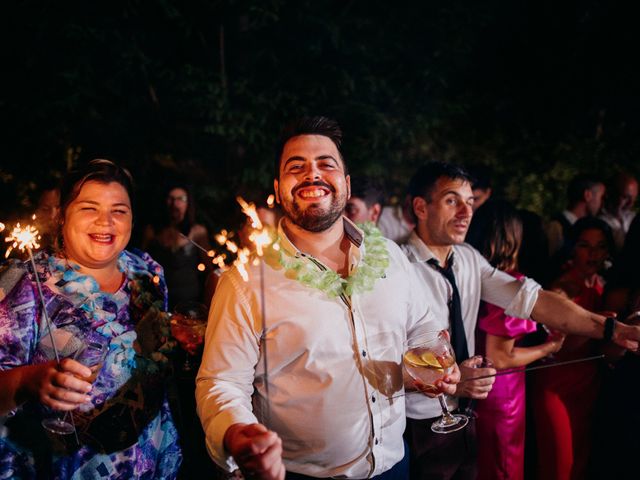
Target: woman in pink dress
[(501, 417)]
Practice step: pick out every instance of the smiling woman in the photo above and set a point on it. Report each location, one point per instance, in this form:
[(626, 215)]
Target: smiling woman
[(96, 292)]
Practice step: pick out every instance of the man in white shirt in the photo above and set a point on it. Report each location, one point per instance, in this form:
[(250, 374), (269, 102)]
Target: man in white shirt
[(442, 204), (328, 400), (618, 210), (584, 196), (366, 200)]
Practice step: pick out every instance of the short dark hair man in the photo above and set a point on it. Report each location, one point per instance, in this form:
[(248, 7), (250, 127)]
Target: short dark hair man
[(584, 198), (367, 200), (336, 321), (442, 204)]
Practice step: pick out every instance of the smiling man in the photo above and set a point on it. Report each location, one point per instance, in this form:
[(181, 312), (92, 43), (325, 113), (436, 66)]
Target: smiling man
[(455, 279), (328, 400)]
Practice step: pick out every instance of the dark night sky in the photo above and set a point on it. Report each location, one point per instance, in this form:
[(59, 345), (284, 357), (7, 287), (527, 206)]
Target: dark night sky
[(537, 90)]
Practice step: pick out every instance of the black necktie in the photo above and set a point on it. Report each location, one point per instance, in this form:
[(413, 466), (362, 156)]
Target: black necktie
[(458, 338)]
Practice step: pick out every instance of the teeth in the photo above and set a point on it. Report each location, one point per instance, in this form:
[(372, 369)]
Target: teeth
[(101, 238), (312, 193)]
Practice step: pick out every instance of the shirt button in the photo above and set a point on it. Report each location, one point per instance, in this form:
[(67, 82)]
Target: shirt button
[(376, 441), (364, 353)]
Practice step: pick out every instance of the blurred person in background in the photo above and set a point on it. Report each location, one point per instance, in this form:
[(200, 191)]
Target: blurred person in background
[(563, 398), (618, 210), (366, 201), (584, 198), (501, 416), (47, 212), (171, 243)]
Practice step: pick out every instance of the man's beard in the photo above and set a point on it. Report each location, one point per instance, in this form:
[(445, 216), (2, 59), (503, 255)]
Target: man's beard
[(316, 219)]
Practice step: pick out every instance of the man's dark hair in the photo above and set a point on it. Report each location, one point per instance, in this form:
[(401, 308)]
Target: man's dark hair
[(368, 189), (482, 176), (424, 180), (324, 126), (577, 187)]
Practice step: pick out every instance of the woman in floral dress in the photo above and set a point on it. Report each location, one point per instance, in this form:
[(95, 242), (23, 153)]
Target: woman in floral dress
[(94, 291)]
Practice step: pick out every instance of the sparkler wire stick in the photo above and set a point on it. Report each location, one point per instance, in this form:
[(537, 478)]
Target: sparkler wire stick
[(195, 244), (49, 327), (263, 341), (509, 371)]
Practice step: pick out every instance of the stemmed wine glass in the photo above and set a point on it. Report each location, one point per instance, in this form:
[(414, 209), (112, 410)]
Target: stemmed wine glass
[(188, 325), (428, 358), (91, 355)]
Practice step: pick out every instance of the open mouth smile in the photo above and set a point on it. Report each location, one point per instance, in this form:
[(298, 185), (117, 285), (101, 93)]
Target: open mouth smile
[(102, 238), (312, 193)]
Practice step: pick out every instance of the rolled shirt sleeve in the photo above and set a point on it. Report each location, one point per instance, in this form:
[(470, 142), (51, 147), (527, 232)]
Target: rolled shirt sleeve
[(517, 297)]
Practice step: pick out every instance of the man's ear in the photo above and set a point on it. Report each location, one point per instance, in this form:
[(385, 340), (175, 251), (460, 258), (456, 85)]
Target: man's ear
[(419, 205), (375, 211), (275, 190), (348, 180)]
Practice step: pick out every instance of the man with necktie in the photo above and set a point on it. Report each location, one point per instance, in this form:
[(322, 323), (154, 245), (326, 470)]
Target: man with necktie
[(456, 277)]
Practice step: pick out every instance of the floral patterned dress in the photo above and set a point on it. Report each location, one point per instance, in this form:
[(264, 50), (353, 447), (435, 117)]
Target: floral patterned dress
[(126, 431)]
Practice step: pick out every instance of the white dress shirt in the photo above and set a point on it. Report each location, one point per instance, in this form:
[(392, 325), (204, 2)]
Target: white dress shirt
[(476, 280), (619, 226), (393, 225), (334, 365)]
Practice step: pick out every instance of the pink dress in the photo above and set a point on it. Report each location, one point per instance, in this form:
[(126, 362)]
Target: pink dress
[(501, 417)]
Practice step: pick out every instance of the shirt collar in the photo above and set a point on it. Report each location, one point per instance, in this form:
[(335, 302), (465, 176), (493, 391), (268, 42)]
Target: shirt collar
[(353, 233), (570, 216), (420, 249), (423, 253)]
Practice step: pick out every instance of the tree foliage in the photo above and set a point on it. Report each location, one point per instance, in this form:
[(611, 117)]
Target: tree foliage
[(200, 89)]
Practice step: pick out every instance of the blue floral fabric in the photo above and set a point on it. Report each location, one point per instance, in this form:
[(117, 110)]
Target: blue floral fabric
[(126, 431)]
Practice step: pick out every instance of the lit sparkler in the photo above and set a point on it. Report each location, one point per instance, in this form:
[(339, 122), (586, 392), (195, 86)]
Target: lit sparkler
[(23, 239), (26, 238), (261, 239)]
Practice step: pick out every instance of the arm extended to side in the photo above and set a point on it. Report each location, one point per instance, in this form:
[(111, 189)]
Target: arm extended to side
[(560, 313)]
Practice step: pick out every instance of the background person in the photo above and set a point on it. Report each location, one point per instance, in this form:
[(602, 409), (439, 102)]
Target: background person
[(167, 244), (366, 201), (47, 213), (563, 398), (501, 416), (95, 291), (618, 210)]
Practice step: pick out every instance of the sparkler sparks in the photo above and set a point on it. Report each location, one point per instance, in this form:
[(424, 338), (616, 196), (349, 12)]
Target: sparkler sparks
[(249, 209), (22, 238)]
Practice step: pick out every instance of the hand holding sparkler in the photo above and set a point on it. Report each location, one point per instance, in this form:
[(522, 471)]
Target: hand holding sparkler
[(56, 384)]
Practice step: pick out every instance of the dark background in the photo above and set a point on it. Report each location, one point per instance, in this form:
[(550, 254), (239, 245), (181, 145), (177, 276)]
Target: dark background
[(538, 90)]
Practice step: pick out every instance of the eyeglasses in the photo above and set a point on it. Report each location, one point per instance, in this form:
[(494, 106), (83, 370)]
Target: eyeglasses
[(177, 198)]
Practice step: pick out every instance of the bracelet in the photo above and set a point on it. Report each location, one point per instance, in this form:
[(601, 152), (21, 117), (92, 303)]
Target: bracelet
[(609, 326)]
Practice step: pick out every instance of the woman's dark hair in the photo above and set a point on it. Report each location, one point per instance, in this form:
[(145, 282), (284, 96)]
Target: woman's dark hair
[(590, 223), (98, 170), (496, 231)]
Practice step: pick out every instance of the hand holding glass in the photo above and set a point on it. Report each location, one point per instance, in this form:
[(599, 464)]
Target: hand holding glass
[(429, 358), (188, 325), (91, 355)]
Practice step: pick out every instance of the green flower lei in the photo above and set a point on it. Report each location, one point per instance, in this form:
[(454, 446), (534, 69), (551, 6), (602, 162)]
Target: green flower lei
[(311, 273)]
